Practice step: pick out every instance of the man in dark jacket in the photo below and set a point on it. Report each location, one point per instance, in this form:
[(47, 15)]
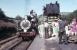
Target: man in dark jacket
[(62, 33)]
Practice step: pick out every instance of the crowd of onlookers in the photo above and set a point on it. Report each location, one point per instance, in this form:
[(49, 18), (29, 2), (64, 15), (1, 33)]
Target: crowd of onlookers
[(59, 28)]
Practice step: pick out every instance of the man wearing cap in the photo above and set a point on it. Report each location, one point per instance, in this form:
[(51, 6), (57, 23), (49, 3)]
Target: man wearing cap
[(62, 33)]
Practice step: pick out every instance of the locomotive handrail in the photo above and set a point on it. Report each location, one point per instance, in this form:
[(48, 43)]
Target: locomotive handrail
[(6, 40)]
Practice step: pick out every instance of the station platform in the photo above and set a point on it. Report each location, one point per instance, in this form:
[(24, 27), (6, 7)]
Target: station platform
[(43, 44), (50, 44)]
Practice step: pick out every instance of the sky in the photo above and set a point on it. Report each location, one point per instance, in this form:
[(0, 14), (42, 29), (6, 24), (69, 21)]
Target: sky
[(12, 8)]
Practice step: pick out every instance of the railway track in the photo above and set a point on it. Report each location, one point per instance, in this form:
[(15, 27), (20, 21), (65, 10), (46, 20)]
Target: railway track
[(7, 40), (15, 44), (8, 45), (22, 46)]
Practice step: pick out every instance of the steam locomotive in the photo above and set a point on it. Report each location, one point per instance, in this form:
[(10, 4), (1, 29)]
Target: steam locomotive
[(29, 28)]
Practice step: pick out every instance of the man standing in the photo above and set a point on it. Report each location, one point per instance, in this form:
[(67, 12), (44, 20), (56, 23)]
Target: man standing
[(62, 33), (34, 21), (41, 30), (46, 25)]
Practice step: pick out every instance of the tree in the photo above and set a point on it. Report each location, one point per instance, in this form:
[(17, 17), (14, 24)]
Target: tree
[(18, 17), (2, 15), (72, 15)]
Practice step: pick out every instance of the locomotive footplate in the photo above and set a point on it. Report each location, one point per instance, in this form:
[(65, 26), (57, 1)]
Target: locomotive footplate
[(27, 33)]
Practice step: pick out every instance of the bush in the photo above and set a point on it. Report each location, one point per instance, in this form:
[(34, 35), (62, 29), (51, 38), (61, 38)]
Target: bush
[(7, 32)]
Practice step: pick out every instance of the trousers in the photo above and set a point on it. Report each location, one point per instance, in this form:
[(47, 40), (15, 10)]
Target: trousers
[(63, 36)]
